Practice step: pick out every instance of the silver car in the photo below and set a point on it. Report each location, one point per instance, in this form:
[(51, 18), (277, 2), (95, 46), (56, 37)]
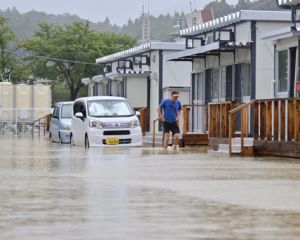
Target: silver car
[(60, 124)]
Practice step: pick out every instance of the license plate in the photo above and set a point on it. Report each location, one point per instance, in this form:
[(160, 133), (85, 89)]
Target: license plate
[(112, 141)]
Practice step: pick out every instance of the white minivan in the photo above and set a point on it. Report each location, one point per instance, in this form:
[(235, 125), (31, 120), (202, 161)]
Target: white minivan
[(104, 121)]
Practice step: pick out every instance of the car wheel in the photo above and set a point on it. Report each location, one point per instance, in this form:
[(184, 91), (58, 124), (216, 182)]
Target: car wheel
[(86, 142), (60, 140), (72, 144)]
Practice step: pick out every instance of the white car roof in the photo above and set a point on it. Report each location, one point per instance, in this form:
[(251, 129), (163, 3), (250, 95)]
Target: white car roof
[(101, 98)]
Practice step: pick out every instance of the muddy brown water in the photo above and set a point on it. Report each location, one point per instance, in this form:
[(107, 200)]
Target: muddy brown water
[(52, 191)]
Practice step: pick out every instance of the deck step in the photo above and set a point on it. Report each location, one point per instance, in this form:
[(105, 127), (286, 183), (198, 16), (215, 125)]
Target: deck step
[(148, 139), (236, 147)]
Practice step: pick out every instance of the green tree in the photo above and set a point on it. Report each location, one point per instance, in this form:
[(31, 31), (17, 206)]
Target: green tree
[(220, 8), (10, 63), (67, 54)]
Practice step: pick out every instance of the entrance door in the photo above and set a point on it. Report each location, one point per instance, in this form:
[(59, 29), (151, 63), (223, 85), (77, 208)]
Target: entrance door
[(282, 74), (286, 73), (198, 113)]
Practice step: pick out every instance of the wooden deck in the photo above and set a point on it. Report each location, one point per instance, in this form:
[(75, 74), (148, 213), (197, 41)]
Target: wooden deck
[(195, 139)]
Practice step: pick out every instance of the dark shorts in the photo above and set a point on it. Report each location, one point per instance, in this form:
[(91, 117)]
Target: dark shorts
[(173, 127)]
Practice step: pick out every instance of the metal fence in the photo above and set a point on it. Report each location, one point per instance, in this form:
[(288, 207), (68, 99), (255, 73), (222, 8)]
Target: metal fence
[(20, 120)]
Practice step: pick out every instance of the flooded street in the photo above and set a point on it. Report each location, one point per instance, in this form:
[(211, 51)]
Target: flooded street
[(52, 191)]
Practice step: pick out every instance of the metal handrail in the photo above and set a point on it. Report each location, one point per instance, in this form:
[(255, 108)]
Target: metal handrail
[(154, 131)]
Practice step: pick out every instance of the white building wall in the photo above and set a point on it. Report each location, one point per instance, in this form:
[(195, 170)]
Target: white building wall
[(176, 73), (265, 60), (137, 91)]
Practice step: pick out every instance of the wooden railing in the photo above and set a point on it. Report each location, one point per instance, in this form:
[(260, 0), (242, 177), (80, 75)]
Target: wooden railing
[(274, 120), (218, 119), (186, 117), (244, 108), (144, 119), (46, 119), (153, 144)]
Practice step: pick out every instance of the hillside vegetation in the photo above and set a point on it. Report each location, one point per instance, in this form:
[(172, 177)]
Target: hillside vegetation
[(24, 24)]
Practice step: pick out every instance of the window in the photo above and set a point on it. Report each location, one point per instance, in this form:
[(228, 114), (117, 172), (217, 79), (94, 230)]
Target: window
[(79, 107), (66, 111), (283, 71), (109, 108), (56, 112), (215, 83)]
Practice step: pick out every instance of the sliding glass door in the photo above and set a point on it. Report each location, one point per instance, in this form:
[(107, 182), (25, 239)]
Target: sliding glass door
[(198, 98)]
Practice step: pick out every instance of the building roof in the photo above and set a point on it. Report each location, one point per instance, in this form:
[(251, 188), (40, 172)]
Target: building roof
[(279, 34), (189, 54), (288, 2), (243, 15), (141, 49)]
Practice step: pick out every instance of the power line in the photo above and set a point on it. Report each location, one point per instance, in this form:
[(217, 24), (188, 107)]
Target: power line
[(55, 59), (261, 4)]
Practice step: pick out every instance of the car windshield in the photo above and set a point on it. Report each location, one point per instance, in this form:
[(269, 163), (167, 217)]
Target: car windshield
[(66, 111), (109, 108)]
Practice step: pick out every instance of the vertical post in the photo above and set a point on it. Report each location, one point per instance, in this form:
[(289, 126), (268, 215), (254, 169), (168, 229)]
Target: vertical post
[(269, 120), (213, 116), (218, 121), (210, 118), (242, 129), (160, 82), (153, 143), (227, 109), (206, 120), (224, 120), (44, 125), (16, 120), (247, 121), (142, 120), (282, 120), (290, 120), (185, 120), (253, 72), (297, 120), (230, 134), (275, 116), (256, 122), (262, 121), (39, 126)]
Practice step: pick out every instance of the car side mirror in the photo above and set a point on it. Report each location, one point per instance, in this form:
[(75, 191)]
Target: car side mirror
[(137, 113), (79, 115)]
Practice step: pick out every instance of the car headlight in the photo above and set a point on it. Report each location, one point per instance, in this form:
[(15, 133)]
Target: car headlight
[(67, 127), (95, 123), (134, 123)]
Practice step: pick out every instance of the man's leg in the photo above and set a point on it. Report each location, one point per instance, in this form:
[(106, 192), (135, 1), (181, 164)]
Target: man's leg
[(166, 140), (176, 139)]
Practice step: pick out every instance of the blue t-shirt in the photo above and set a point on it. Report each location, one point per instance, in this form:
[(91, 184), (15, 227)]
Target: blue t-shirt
[(170, 109)]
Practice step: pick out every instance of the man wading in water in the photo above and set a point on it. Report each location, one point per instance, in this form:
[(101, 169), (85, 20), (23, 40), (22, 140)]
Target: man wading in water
[(172, 111)]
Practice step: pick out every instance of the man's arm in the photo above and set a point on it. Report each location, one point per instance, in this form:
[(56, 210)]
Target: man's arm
[(160, 115), (178, 116)]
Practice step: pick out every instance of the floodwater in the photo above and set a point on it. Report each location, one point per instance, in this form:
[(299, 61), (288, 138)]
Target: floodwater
[(52, 191)]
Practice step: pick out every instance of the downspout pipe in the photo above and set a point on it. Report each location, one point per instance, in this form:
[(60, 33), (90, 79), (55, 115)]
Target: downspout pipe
[(253, 74), (160, 77)]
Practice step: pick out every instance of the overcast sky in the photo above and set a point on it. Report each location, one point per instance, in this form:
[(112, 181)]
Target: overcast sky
[(118, 11)]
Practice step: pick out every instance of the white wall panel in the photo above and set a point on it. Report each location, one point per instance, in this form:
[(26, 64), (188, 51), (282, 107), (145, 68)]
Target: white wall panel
[(137, 92)]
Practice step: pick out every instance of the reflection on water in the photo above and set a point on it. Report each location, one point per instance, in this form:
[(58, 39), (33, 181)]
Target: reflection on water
[(52, 191)]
